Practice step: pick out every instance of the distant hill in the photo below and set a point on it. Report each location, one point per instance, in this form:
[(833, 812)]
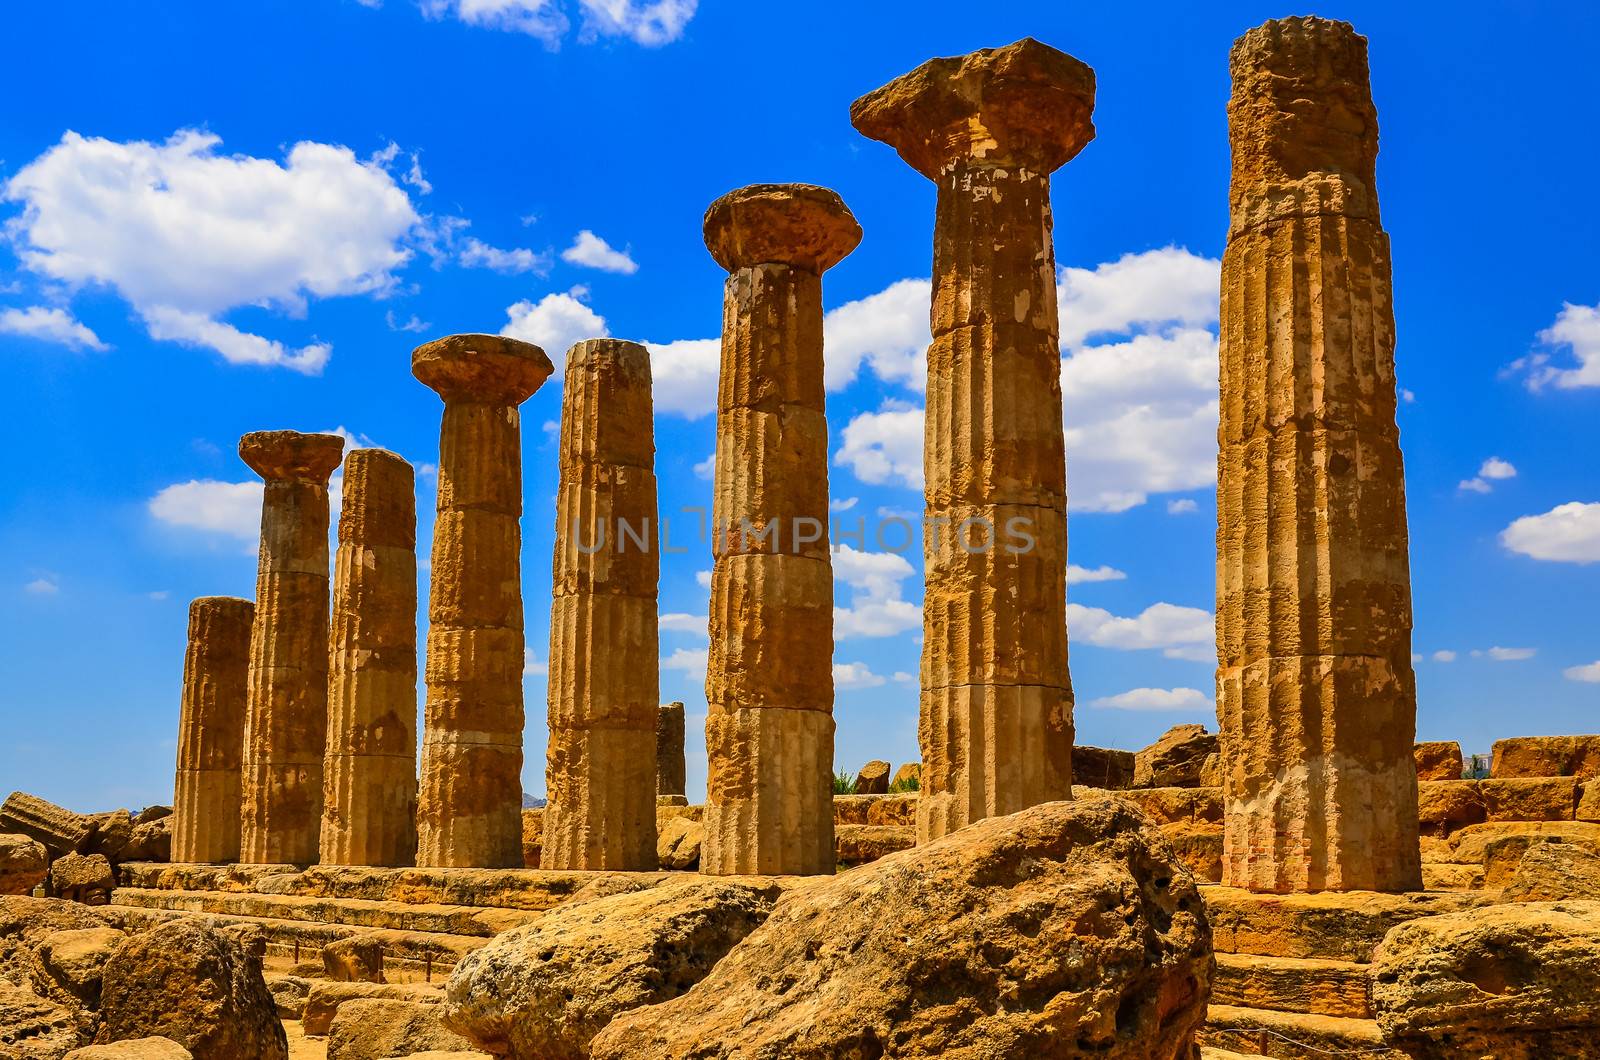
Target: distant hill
[(531, 802)]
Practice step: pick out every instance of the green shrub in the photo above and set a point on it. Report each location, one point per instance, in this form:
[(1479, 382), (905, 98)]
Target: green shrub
[(902, 785), (844, 783)]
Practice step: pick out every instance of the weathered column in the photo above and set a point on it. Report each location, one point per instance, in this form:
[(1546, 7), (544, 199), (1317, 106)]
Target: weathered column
[(207, 790), (287, 725), (769, 679), (988, 129), (469, 808), (604, 648), (370, 785), (1315, 692), (670, 770)]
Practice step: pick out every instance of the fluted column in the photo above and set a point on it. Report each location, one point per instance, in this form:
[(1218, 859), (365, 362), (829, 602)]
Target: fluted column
[(604, 648), (211, 721), (1315, 692), (469, 807), (287, 725), (769, 679), (670, 766), (989, 128), (370, 782)]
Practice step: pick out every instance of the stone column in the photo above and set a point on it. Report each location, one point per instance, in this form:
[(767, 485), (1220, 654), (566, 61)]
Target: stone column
[(604, 649), (988, 129), (670, 778), (769, 681), (211, 720), (469, 809), (370, 785), (1314, 685), (287, 725)]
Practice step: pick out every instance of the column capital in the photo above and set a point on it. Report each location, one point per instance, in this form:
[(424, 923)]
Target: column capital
[(486, 368), (1026, 104), (289, 455), (801, 225)]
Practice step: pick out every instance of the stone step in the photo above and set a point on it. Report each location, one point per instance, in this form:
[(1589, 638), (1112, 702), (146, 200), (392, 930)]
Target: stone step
[(1292, 1035), (1331, 925), (471, 921), (1292, 984)]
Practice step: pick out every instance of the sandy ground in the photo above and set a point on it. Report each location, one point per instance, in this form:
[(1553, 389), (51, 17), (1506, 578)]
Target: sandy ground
[(301, 1047)]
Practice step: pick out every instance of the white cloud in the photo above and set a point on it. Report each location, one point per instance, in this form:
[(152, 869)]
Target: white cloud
[(1567, 533), (476, 254), (159, 594), (679, 622), (651, 23), (185, 233), (1444, 655), (844, 504), (854, 675), (877, 605), (707, 467), (541, 19), (903, 678), (683, 376), (1493, 470), (1149, 289), (42, 587), (1182, 506), (884, 446), (554, 324), (533, 666), (1589, 673), (1474, 485), (1576, 327), (1077, 575), (703, 579), (232, 509), (49, 325), (1511, 654), (1180, 632), (1154, 699), (415, 324), (691, 661), (1408, 396), (590, 251), (887, 330)]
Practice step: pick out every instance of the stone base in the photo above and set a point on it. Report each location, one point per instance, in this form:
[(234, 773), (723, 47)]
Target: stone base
[(602, 809)]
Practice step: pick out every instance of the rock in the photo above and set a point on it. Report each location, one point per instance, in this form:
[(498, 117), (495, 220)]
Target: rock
[(289, 994), (1176, 760), (35, 1028), (24, 864), (1503, 856), (1543, 756), (898, 809), (873, 779), (151, 841), (375, 1028), (151, 814), (1211, 771), (1471, 844), (59, 830), (77, 959), (907, 778), (1066, 930), (30, 920), (137, 1049), (1531, 799), (1199, 847), (532, 837), (541, 992), (187, 981), (356, 959), (111, 834), (85, 878), (1446, 806), (1588, 808), (325, 999), (1553, 871), (678, 843), (857, 844), (1438, 760), (1100, 767), (1512, 982)]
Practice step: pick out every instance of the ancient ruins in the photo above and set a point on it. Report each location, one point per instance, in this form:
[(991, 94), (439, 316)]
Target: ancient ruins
[(1307, 882)]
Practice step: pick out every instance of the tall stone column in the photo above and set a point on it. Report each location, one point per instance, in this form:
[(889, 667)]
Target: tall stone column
[(769, 679), (469, 808), (989, 128), (370, 783), (1315, 693), (604, 647), (211, 721), (670, 767), (287, 726)]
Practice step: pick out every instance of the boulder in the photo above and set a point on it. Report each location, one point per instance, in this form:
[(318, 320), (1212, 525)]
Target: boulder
[(897, 809), (532, 837), (85, 878), (187, 981), (325, 999), (137, 1049), (76, 960), (36, 1028), (356, 959), (1470, 845), (151, 814), (1176, 760), (1101, 767), (678, 843), (24, 864), (376, 1028), (1530, 799), (542, 991), (59, 830), (873, 779), (30, 920), (1547, 756), (907, 778), (151, 841), (852, 809), (289, 994), (1438, 760), (1513, 982), (1553, 871), (1068, 929), (1211, 771), (112, 833), (857, 844), (1199, 847)]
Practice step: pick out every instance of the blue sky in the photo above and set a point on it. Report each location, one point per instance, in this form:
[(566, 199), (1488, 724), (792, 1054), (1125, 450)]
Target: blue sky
[(222, 218)]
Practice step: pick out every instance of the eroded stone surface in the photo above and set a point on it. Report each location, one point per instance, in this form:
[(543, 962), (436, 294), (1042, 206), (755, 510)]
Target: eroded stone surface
[(1547, 756), (1438, 760), (375, 1028), (57, 829), (137, 1049), (996, 710), (208, 789), (1315, 690), (24, 864), (1554, 871), (670, 764), (1176, 760), (470, 797), (873, 778)]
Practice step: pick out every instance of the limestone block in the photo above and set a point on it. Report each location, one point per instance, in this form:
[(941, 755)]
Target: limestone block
[(58, 830), (1175, 760), (1199, 847), (373, 1028), (873, 779), (857, 844), (24, 864), (1102, 768), (76, 959), (1530, 799), (532, 837), (85, 878), (899, 810), (678, 844), (1547, 756), (1438, 760), (1588, 808), (135, 1049), (326, 999), (907, 778), (1552, 871), (357, 959), (1470, 845), (670, 766), (768, 792)]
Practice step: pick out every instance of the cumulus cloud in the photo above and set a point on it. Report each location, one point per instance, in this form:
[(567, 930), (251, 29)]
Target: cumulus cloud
[(1154, 699), (592, 252), (702, 578), (884, 447), (554, 324), (185, 233), (533, 666), (679, 622), (1179, 632), (476, 254), (232, 509), (1077, 575), (683, 376), (877, 604), (1153, 289), (1498, 654), (1444, 655), (1576, 328), (541, 19), (707, 467), (887, 331), (690, 661), (651, 23), (42, 587), (1182, 506), (1493, 470), (1589, 672), (847, 676), (49, 325), (1567, 533)]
